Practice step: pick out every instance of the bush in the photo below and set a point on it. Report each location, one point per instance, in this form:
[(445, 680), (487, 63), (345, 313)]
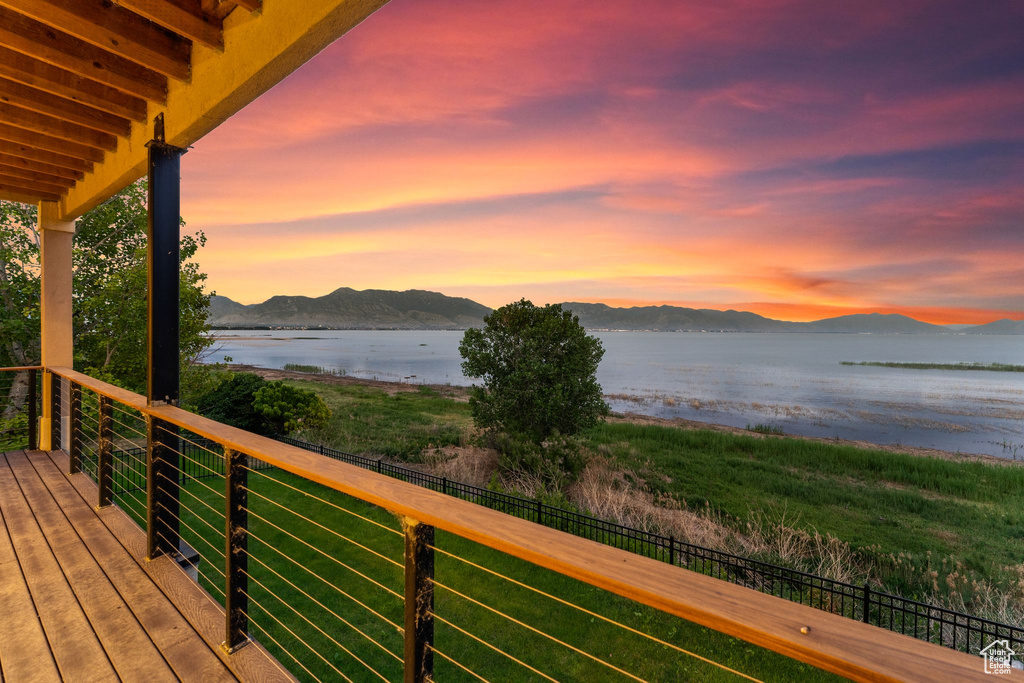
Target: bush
[(231, 402), (286, 409), (557, 462), (539, 368)]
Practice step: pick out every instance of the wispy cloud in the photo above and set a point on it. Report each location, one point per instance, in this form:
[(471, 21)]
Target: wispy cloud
[(818, 156)]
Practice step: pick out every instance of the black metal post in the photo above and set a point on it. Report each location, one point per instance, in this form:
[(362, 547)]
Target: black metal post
[(164, 236), (672, 550), (162, 507), (33, 438), (75, 426), (236, 591), (419, 602), (163, 367), (105, 460), (55, 416), (540, 512), (867, 603)]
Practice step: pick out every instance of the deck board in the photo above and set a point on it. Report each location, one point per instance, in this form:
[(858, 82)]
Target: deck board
[(74, 644), (188, 656), (127, 645), (76, 605), (250, 663), (24, 650)]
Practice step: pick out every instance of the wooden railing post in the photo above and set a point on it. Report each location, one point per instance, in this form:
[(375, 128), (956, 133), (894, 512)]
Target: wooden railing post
[(33, 435), (105, 459), (75, 427), (236, 609), (162, 464), (419, 601)]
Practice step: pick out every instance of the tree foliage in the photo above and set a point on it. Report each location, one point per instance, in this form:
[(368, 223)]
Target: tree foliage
[(109, 295), (539, 371), (286, 409), (19, 285), (232, 402)]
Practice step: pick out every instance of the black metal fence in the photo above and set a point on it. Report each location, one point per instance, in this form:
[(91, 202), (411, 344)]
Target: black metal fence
[(920, 620)]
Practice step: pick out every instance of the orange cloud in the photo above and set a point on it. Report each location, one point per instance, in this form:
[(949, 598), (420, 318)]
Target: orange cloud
[(816, 155)]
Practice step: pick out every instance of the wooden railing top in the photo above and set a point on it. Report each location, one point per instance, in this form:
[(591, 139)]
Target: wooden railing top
[(831, 642), (21, 368), (128, 398)]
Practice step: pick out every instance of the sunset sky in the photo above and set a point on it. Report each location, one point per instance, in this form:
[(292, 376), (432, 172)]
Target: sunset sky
[(797, 159)]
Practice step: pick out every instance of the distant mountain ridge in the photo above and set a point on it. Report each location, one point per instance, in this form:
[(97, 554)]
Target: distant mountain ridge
[(348, 308), (1004, 326), (414, 309)]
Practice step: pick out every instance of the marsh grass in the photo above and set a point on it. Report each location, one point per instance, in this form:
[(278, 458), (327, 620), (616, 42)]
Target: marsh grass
[(761, 428), (991, 367), (313, 369)]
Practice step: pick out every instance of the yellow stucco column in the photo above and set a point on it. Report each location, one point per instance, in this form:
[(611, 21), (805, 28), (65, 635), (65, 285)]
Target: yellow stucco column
[(55, 314)]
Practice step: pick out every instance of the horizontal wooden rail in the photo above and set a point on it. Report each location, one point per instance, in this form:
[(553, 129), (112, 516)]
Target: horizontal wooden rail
[(831, 642), (22, 368)]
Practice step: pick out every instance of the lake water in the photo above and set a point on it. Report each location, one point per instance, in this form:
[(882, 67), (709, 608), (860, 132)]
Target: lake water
[(793, 382)]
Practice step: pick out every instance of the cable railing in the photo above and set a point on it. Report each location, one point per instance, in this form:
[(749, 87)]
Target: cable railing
[(865, 603), (345, 574), (20, 397)]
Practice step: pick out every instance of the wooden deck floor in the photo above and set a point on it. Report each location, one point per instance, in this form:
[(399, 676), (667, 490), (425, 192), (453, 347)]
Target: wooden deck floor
[(76, 602)]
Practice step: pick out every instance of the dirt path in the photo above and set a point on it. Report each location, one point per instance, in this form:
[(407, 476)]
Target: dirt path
[(391, 388)]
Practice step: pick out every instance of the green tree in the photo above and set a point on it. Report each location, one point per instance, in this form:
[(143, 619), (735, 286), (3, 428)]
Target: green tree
[(287, 409), (539, 371), (110, 291), (109, 296), (19, 299)]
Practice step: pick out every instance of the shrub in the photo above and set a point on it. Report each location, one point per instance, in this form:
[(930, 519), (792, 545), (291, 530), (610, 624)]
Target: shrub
[(287, 409), (539, 371), (231, 402), (557, 461)]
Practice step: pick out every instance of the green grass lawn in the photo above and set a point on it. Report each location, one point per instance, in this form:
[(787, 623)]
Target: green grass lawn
[(301, 569), (368, 420)]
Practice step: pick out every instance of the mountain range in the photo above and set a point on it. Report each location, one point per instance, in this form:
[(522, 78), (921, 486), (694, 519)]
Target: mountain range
[(415, 309)]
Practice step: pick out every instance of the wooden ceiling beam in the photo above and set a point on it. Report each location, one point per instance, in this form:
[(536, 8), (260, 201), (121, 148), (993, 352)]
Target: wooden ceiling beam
[(27, 97), (38, 40), (29, 166), (184, 17), (26, 195), (17, 171), (30, 153), (259, 53), (113, 29), (56, 81), (49, 143), (58, 128), (30, 184), (217, 8), (251, 5)]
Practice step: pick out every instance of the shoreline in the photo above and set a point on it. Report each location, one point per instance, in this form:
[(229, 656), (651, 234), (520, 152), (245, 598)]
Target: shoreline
[(461, 394)]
